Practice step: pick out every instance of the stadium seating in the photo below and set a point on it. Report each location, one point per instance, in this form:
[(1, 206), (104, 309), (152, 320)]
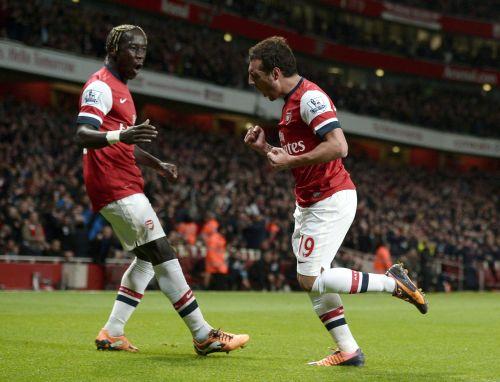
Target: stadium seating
[(41, 187), (345, 28)]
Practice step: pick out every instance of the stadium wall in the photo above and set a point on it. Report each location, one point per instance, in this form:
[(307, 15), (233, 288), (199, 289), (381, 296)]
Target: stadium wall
[(39, 276)]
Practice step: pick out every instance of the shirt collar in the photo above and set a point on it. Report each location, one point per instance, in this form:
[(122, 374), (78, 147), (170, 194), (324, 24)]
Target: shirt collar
[(294, 89)]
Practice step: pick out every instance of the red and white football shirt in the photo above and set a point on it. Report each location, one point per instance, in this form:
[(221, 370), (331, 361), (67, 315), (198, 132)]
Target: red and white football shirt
[(308, 114), (110, 173)]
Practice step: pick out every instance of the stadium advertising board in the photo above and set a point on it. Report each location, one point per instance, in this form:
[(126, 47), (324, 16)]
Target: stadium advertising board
[(77, 69), (419, 136)]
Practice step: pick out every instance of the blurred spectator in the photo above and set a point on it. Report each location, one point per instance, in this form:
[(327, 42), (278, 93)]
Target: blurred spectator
[(68, 255), (275, 277), (215, 261), (54, 249), (412, 263), (33, 235), (188, 229), (382, 261), (425, 254), (11, 248), (210, 226), (104, 246), (255, 232), (266, 273), (238, 274)]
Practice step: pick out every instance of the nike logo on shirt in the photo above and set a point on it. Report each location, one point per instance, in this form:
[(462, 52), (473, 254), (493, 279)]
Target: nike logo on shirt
[(123, 100)]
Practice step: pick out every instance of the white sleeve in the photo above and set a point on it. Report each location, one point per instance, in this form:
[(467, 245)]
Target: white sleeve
[(312, 104), (98, 94)]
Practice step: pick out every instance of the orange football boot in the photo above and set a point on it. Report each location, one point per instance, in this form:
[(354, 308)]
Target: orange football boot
[(106, 342), (340, 358), (219, 341), (406, 289)]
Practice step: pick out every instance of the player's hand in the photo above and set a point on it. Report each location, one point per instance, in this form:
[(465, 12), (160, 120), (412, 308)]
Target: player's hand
[(167, 170), (279, 159), (256, 138), (143, 133)]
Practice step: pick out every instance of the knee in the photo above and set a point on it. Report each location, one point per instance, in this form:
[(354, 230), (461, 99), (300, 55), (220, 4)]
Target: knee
[(165, 249), (306, 282), (157, 251)]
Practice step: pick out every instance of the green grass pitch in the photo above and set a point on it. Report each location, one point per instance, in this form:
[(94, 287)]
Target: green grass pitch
[(49, 337)]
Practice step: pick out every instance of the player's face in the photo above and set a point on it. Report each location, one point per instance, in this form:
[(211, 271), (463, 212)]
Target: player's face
[(131, 54), (264, 82)]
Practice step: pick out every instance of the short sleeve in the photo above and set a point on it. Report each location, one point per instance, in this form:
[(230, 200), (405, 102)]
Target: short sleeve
[(318, 112), (95, 103)]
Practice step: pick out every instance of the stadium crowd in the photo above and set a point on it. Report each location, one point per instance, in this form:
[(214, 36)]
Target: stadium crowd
[(44, 209), (186, 50), (341, 27)]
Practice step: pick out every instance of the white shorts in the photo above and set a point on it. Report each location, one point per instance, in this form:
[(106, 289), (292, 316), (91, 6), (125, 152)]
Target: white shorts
[(133, 220), (320, 230)]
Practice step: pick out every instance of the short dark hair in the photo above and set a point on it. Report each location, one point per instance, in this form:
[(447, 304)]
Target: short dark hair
[(115, 35), (274, 52)]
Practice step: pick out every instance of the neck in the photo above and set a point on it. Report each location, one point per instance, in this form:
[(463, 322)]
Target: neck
[(111, 65), (288, 83)]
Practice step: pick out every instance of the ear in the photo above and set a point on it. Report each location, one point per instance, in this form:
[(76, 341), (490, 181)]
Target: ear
[(112, 53), (276, 73)]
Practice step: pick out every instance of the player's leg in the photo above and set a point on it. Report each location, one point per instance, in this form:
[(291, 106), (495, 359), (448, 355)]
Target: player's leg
[(133, 283), (323, 230), (313, 247), (342, 206), (151, 243), (330, 311), (172, 283), (343, 280)]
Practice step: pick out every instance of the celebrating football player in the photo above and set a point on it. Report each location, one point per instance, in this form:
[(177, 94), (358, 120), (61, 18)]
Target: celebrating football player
[(109, 136), (312, 146)]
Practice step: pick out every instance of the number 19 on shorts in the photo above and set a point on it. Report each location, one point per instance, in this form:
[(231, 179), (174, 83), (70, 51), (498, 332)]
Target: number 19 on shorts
[(306, 246)]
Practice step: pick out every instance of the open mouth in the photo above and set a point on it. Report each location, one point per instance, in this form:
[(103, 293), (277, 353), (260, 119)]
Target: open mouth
[(137, 67)]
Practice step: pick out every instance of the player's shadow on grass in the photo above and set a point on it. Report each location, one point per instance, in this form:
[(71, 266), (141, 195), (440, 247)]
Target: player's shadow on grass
[(194, 359), (374, 373), (180, 362), (411, 375)]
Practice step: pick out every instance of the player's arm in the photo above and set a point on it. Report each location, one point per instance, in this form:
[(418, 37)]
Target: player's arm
[(165, 169), (334, 146), (256, 139), (317, 111), (95, 103), (87, 136)]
